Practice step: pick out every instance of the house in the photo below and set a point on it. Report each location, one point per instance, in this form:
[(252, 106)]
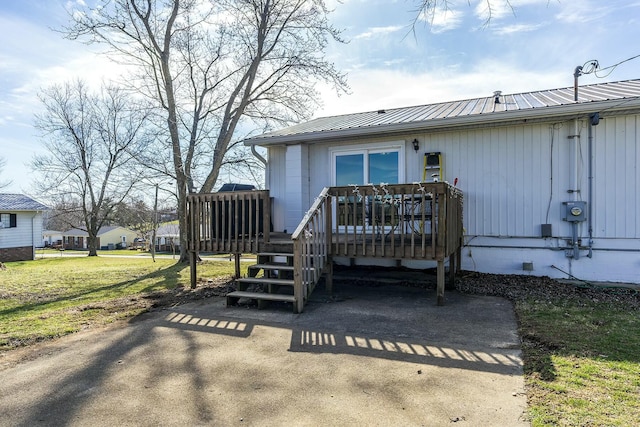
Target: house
[(549, 181), (168, 237), (20, 227), (109, 237), (52, 238)]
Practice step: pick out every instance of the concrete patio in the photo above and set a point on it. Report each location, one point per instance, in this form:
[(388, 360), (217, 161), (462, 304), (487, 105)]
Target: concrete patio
[(375, 356)]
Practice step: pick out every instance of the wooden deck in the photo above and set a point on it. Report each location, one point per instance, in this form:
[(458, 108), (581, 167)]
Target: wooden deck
[(419, 221)]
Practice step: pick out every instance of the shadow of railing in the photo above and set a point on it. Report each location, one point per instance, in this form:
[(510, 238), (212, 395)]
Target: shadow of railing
[(405, 350), (231, 327), (414, 350)]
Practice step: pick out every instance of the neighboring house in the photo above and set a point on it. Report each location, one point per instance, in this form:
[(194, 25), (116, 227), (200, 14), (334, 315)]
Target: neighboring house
[(168, 238), (109, 237), (52, 238), (20, 227), (551, 185)]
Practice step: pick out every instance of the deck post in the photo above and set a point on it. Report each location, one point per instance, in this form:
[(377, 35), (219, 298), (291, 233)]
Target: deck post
[(237, 262), (298, 284), (440, 281), (329, 276), (453, 262), (192, 265)]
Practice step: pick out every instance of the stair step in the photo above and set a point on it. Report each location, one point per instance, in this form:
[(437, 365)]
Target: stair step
[(262, 296), (266, 280), (283, 254), (273, 266)]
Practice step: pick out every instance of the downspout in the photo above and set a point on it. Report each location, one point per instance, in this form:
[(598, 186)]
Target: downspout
[(33, 239), (264, 162), (594, 119), (258, 155)]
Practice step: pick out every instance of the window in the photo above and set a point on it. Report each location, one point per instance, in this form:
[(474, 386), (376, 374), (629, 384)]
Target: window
[(8, 220), (368, 166), (357, 166)]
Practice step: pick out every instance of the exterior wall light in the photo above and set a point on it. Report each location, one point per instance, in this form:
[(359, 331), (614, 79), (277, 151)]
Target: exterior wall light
[(416, 144)]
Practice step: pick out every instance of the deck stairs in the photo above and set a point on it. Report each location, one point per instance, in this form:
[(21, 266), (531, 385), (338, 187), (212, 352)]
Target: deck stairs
[(270, 279)]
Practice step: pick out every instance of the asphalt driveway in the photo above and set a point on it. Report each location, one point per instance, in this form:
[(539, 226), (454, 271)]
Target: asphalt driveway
[(369, 357)]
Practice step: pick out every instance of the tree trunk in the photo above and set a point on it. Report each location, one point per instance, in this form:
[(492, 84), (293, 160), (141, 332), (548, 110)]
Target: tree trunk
[(92, 244), (182, 217)]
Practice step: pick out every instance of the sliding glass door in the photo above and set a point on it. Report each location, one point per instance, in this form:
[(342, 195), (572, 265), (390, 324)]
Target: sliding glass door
[(362, 167)]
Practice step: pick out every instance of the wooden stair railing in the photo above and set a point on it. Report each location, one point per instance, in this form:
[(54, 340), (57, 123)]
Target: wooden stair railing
[(312, 250)]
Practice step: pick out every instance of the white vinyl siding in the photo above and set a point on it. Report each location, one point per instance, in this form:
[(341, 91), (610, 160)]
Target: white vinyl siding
[(27, 232), (276, 184), (509, 174), (617, 192)]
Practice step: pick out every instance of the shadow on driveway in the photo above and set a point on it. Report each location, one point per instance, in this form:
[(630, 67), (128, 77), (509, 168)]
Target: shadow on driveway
[(371, 356)]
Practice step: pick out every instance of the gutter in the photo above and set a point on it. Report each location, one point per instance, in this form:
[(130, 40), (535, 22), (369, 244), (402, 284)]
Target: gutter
[(569, 111)]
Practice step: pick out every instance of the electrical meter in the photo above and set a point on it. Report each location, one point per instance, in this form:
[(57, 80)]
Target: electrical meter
[(575, 211)]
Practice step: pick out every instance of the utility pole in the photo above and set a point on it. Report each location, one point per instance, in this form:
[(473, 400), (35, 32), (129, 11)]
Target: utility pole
[(155, 226)]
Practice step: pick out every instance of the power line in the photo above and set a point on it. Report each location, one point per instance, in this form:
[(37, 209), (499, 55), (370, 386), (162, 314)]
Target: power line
[(593, 67)]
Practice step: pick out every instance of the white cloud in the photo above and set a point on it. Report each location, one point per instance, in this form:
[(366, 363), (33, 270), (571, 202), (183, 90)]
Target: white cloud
[(379, 31), (445, 19), (518, 28), (494, 10), (374, 89), (583, 11)]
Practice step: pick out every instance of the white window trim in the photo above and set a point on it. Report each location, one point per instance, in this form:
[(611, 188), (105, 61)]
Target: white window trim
[(378, 147)]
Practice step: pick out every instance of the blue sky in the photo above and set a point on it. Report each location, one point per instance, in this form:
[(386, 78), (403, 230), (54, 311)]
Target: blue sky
[(457, 55)]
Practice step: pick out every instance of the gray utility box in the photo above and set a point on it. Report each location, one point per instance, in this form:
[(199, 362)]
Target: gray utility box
[(574, 211)]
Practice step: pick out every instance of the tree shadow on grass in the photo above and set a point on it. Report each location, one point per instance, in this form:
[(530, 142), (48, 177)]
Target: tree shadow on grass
[(168, 279)]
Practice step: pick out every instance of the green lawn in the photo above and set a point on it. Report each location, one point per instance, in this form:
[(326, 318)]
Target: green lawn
[(582, 362), (52, 297)]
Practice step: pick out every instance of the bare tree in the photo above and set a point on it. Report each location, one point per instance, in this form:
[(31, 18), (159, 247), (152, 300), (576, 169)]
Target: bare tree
[(136, 215), (3, 183), (212, 67), (90, 139)]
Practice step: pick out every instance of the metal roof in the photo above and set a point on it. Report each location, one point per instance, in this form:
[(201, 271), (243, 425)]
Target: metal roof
[(19, 202), (520, 105)]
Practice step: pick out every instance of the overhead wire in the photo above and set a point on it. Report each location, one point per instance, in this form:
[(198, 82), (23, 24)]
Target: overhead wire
[(593, 67)]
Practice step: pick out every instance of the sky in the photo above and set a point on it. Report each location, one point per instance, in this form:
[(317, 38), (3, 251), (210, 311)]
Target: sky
[(457, 53)]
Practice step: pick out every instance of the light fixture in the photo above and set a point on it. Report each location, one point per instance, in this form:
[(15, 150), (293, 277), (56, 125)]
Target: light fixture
[(416, 144)]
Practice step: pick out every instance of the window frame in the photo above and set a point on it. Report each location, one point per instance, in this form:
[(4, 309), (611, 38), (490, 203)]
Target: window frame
[(13, 220), (365, 150)]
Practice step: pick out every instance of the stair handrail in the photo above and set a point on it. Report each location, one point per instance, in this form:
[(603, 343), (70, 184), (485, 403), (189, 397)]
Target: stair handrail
[(311, 247)]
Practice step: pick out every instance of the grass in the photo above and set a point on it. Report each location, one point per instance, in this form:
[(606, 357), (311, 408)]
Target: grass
[(581, 362), (51, 297)]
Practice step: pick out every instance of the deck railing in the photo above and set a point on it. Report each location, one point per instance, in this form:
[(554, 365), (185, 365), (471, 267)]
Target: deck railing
[(228, 222), (400, 221), (311, 249), (420, 221)]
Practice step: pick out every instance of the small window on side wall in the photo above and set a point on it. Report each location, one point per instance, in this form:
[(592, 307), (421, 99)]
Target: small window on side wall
[(8, 220)]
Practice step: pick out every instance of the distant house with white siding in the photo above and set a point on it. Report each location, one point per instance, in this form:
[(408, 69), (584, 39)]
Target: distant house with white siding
[(52, 238), (109, 237), (20, 227), (551, 183), (168, 237)]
